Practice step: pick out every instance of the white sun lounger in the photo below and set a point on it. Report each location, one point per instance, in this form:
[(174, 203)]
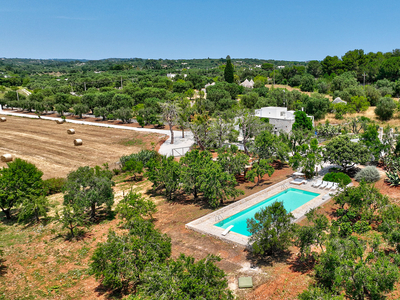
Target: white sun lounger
[(335, 186), (298, 181), (329, 185), (317, 183), (226, 231), (323, 185)]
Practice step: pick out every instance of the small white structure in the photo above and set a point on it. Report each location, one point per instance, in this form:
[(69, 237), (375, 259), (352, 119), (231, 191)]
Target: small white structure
[(248, 84), (338, 100), (209, 84), (280, 117), (170, 75)]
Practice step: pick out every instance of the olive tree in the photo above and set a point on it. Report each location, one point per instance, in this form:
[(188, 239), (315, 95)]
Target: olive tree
[(271, 229), (120, 261), (88, 188), (20, 181), (170, 115), (345, 153)]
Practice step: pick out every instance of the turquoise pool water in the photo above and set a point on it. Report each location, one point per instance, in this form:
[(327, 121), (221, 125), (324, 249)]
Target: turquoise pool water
[(291, 198)]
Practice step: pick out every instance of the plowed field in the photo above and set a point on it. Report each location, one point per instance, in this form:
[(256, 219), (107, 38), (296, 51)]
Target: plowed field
[(47, 144)]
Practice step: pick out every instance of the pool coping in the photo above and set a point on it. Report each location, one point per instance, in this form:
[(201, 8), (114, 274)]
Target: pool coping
[(205, 224)]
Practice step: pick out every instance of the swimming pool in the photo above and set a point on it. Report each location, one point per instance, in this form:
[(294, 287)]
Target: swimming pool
[(291, 198)]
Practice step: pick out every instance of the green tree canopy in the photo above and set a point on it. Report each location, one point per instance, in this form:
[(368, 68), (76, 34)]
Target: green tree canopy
[(88, 188), (184, 278), (302, 121), (120, 261), (385, 108), (271, 229), (345, 153), (20, 181)]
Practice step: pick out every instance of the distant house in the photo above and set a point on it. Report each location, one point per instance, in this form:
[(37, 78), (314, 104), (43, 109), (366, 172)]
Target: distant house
[(170, 75), (248, 84), (280, 67), (280, 117)]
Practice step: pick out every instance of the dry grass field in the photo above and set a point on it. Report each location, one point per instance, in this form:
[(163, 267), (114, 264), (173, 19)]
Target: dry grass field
[(48, 146), (369, 113)]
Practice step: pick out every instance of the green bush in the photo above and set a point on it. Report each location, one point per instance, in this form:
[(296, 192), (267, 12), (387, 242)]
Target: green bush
[(369, 174), (144, 156), (54, 185), (338, 177)]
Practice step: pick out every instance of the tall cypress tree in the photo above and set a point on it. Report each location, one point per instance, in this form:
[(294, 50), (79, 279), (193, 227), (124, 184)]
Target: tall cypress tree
[(228, 73)]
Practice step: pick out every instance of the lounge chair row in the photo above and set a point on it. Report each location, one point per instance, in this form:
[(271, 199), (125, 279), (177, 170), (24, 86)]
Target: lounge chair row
[(326, 185)]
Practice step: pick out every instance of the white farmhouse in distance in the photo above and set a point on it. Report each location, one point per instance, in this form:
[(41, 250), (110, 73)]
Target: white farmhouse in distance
[(280, 117)]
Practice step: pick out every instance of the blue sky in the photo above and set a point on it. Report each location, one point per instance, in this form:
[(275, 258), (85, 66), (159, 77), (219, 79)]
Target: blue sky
[(285, 29)]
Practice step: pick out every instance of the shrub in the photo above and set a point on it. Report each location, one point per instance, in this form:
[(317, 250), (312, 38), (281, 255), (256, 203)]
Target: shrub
[(140, 120), (369, 174), (338, 177), (144, 156), (54, 185), (385, 108)]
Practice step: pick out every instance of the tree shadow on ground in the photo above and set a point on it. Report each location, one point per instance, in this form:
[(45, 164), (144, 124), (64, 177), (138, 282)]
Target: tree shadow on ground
[(262, 184), (8, 222), (181, 198), (302, 265), (352, 172), (108, 293), (102, 214), (3, 268), (268, 261)]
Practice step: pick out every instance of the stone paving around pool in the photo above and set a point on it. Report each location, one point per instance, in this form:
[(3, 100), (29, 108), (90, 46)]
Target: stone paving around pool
[(205, 225)]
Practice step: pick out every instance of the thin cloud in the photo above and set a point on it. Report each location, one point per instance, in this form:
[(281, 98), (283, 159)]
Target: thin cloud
[(75, 18)]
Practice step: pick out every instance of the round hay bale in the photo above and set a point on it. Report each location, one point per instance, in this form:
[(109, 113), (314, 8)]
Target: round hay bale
[(78, 142), (6, 158), (71, 131), (3, 119), (60, 121)]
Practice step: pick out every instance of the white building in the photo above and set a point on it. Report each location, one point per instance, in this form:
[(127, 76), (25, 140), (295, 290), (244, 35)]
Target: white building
[(280, 117), (248, 84)]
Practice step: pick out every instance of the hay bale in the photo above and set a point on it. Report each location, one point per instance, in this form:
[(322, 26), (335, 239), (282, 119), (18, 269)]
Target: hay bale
[(3, 119), (6, 158), (60, 121), (71, 131), (78, 142)]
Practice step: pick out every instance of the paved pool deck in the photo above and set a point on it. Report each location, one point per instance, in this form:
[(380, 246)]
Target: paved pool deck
[(205, 224)]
